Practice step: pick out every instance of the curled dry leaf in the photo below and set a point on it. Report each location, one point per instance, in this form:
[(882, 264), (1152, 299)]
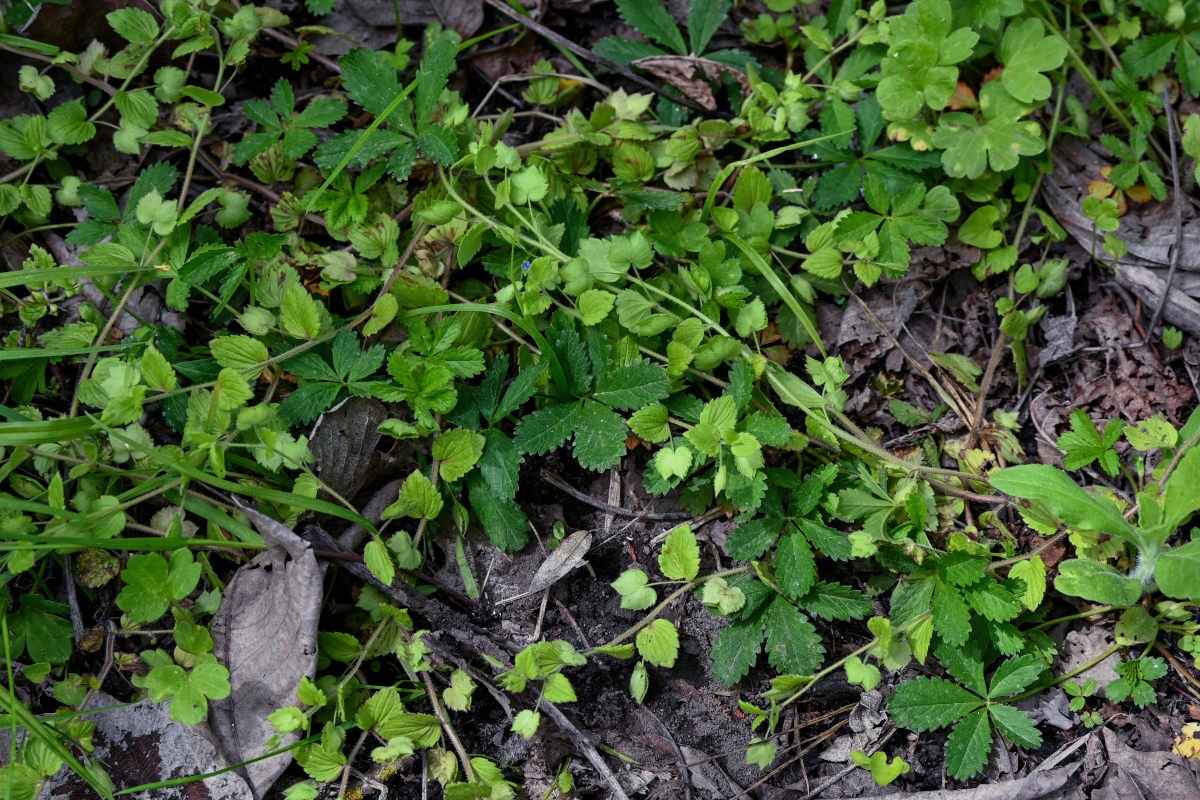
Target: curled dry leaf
[(564, 558), (265, 633), (680, 72), (343, 441)]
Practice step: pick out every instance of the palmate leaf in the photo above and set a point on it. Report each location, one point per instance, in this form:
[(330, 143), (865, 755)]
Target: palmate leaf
[(369, 79), (1014, 675), (599, 432)]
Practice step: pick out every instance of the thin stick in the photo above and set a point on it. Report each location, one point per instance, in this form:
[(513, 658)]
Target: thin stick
[(1177, 200), (663, 516), (585, 748), (583, 52)]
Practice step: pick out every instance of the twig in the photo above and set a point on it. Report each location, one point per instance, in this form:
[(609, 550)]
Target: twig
[(583, 52), (585, 747), (1177, 201), (684, 774), (662, 516)]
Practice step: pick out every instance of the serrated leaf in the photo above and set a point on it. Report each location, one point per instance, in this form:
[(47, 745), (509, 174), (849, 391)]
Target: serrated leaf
[(595, 305), (658, 643), (377, 559), (545, 429), (968, 745), (1015, 675), (632, 386), (680, 557), (654, 22), (635, 594), (834, 601), (752, 538), (992, 600), (458, 451), (298, 313), (792, 643), (795, 567), (951, 617), (704, 17), (599, 437), (1016, 726), (735, 650), (432, 75), (369, 79), (925, 704), (502, 519), (1032, 572)]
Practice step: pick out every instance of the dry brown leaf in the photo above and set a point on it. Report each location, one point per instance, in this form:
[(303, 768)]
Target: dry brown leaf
[(343, 441), (564, 558), (680, 72), (265, 633)]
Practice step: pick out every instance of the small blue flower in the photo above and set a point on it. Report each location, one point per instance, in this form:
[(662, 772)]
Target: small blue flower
[(525, 265)]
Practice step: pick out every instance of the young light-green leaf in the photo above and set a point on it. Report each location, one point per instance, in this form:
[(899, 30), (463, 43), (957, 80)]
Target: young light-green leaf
[(680, 557)]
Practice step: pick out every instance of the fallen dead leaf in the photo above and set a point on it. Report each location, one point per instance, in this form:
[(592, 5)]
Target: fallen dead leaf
[(680, 72), (265, 633)]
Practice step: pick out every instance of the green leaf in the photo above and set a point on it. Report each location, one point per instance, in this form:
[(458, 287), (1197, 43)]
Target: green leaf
[(599, 437), (1096, 582), (658, 643), (144, 597), (654, 22), (979, 229), (502, 519), (1032, 573), (834, 601), (432, 75), (925, 704), (735, 650), (639, 682), (792, 643), (794, 564), (680, 557), (968, 745), (1026, 53), (526, 723), (458, 451), (369, 79), (418, 499), (970, 147), (134, 25), (595, 304), (635, 594), (704, 17), (545, 429), (68, 124), (1070, 503), (557, 689), (865, 675), (41, 624), (1015, 675), (1085, 444), (632, 386), (376, 557), (1015, 725), (1149, 54), (1177, 571), (298, 313)]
